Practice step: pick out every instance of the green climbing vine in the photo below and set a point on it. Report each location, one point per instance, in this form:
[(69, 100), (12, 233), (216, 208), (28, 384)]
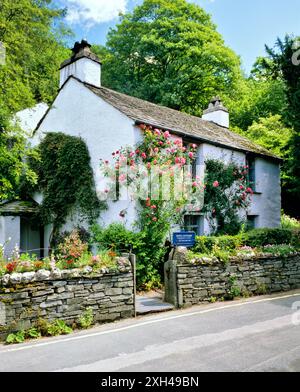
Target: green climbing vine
[(66, 181)]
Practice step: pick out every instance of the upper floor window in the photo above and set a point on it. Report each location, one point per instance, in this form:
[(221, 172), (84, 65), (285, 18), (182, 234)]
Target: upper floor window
[(252, 172)]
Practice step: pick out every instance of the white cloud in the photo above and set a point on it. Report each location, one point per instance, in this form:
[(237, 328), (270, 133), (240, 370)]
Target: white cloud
[(92, 12)]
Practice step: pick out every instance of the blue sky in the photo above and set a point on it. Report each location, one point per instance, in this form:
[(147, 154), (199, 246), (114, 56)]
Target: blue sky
[(246, 25)]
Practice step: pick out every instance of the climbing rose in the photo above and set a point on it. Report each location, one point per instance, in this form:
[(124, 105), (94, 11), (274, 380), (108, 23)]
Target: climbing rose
[(143, 155), (167, 134), (216, 184), (191, 155)]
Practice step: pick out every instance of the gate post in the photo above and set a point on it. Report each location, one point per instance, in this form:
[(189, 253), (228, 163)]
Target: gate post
[(171, 288)]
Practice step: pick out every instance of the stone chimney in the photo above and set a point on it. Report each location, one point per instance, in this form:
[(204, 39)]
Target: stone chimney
[(217, 113), (83, 64)]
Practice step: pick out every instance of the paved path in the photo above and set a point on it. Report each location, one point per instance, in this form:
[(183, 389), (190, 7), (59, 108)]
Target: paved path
[(259, 334), (153, 304)]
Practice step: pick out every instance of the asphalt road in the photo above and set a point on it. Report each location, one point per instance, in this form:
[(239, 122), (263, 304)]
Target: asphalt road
[(259, 334)]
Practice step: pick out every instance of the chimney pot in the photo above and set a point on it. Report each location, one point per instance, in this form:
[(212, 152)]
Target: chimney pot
[(217, 113), (83, 64)]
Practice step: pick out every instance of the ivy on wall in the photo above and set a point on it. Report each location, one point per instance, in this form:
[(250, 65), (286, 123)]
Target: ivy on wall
[(66, 181)]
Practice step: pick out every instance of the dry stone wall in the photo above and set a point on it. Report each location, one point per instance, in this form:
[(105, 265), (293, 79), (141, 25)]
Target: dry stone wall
[(188, 284), (65, 295)]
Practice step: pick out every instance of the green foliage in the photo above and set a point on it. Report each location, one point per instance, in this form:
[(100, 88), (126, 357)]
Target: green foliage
[(256, 98), (278, 65), (114, 236), (58, 327), (234, 290), (263, 237), (14, 167), (206, 244), (279, 242), (86, 320), (15, 338), (271, 134), (169, 52), (32, 333), (66, 180), (30, 74), (288, 222)]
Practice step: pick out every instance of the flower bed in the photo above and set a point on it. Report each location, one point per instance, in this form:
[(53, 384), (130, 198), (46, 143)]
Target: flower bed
[(71, 254)]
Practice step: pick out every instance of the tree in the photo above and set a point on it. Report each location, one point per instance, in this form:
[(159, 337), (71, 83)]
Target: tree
[(272, 134), (169, 52), (33, 37), (257, 98), (282, 64), (14, 167)]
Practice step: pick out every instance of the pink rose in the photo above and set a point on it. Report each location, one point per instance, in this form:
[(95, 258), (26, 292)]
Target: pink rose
[(143, 155), (191, 155), (216, 184), (122, 177), (156, 150), (183, 161), (166, 134), (194, 146)]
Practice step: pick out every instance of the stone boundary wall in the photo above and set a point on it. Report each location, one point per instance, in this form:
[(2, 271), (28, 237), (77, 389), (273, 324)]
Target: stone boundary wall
[(188, 284), (65, 295)]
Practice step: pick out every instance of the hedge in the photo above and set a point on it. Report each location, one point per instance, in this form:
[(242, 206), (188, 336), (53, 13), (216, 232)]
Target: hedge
[(254, 238)]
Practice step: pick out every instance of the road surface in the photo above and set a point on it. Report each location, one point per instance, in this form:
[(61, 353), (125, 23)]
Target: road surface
[(258, 334)]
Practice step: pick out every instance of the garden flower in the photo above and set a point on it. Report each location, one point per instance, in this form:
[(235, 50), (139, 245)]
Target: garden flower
[(132, 154), (166, 134), (155, 162), (183, 161), (241, 187), (157, 132), (154, 219), (195, 184), (216, 184), (143, 155), (156, 150), (153, 207), (191, 155), (122, 177), (148, 165), (194, 146)]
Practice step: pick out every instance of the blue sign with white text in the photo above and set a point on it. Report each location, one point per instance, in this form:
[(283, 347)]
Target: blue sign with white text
[(184, 238)]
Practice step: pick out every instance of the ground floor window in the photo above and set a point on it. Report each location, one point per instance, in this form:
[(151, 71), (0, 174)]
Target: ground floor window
[(194, 223), (252, 221), (31, 240)]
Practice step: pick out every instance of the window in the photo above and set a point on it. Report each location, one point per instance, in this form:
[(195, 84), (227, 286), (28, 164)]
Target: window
[(194, 223), (252, 174), (251, 221)]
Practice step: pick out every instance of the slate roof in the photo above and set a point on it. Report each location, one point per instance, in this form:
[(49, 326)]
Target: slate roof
[(18, 208), (181, 123), (188, 126)]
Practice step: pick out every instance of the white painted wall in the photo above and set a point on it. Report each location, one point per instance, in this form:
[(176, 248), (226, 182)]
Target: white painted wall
[(267, 202), (79, 112), (86, 70), (28, 119)]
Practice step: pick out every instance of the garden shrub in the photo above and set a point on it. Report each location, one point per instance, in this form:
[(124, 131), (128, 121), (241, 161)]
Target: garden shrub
[(263, 237), (206, 244)]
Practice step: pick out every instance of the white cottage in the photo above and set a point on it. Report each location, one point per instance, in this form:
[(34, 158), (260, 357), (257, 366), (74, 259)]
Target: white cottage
[(108, 120)]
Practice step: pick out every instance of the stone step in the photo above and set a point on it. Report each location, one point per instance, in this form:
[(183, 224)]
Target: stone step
[(147, 305)]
